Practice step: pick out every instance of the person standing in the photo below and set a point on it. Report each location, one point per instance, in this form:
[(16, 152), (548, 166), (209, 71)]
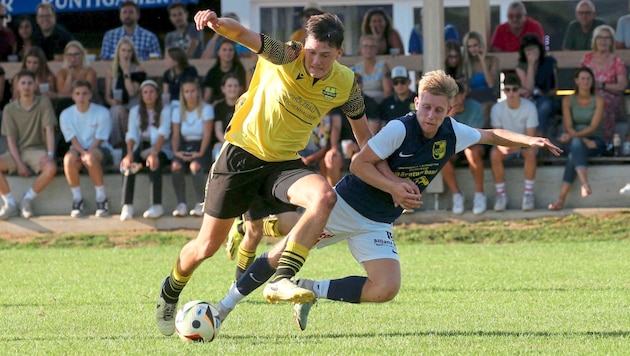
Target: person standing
[(185, 34)]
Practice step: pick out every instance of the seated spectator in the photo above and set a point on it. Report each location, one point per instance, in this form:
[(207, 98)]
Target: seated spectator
[(481, 71), (185, 34), (538, 73), (50, 36), (30, 137), (25, 38), (7, 39), (507, 36), (300, 34), (378, 23), (400, 103), (148, 145), (517, 115), (122, 84), (232, 89), (191, 135), (453, 60), (75, 67), (324, 139), (212, 47), (375, 72), (579, 34), (178, 70), (581, 117), (45, 82), (86, 126), (611, 78), (416, 40), (469, 112), (372, 112), (622, 35), (228, 61), (146, 42)]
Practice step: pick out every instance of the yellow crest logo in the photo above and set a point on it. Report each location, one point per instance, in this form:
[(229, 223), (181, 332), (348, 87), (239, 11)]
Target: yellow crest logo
[(329, 93), (439, 149)]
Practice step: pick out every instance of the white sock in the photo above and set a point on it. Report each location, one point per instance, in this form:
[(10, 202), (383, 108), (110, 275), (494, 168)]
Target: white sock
[(500, 187), (76, 193), (8, 199), (232, 298), (100, 193), (320, 288), (30, 195)]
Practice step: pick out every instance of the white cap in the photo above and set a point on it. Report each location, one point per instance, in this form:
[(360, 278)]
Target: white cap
[(400, 72)]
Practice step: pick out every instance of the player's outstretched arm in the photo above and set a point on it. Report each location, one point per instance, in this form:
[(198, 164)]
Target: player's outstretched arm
[(501, 137), (228, 28)]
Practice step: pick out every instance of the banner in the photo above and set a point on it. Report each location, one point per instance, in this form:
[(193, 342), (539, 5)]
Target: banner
[(17, 7)]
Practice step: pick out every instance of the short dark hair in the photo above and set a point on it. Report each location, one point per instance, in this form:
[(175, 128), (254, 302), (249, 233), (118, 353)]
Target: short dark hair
[(25, 73), (175, 5), (79, 83), (130, 3), (512, 79), (529, 40), (327, 28)]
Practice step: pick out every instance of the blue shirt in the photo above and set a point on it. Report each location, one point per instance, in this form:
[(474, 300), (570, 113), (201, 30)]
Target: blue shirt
[(146, 42), (416, 43)]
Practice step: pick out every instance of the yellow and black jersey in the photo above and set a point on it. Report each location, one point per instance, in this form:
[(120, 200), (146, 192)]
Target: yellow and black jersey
[(275, 117)]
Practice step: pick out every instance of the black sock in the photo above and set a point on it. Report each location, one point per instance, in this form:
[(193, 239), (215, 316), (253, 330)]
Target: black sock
[(346, 289)]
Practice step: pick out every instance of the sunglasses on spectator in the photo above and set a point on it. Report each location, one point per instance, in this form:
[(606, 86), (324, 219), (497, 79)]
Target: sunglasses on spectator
[(511, 89), (399, 81)]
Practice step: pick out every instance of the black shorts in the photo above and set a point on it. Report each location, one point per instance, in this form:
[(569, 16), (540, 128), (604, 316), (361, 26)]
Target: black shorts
[(238, 179)]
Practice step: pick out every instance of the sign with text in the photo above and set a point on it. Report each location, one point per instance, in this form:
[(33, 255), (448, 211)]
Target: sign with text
[(17, 7)]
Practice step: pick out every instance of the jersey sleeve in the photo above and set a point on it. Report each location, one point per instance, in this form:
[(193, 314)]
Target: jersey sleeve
[(388, 139), (465, 135), (354, 108), (278, 52)]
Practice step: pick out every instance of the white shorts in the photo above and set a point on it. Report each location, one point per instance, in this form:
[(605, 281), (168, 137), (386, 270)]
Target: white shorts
[(367, 239)]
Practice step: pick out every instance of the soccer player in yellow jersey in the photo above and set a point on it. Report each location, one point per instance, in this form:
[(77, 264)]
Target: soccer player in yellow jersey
[(292, 88)]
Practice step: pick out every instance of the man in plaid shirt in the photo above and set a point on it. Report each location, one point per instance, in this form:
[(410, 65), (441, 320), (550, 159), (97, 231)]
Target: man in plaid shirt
[(145, 41)]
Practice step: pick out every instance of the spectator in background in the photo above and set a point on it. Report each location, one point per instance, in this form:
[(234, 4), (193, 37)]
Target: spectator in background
[(538, 73), (622, 36), (400, 103), (416, 40), (212, 47), (30, 137), (148, 145), (25, 38), (178, 69), (481, 72), (469, 112), (581, 117), (7, 39), (185, 34), (517, 115), (191, 135), (122, 84), (45, 82), (309, 10), (453, 60), (507, 36), (86, 126), (75, 66), (332, 162), (50, 36), (378, 23), (611, 77), (323, 138), (146, 42), (375, 72), (232, 89), (579, 34), (228, 61)]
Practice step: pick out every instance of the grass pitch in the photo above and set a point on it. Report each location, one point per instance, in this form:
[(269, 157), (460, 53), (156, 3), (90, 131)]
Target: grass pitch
[(489, 293)]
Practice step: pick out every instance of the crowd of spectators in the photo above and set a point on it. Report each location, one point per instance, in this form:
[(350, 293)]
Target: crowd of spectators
[(179, 120)]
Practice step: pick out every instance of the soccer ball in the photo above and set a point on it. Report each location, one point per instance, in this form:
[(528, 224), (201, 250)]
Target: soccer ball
[(197, 321)]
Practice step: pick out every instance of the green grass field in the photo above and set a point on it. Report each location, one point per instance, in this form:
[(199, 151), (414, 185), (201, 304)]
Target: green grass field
[(565, 290)]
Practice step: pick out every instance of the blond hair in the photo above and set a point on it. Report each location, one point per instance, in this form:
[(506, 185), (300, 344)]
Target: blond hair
[(437, 82)]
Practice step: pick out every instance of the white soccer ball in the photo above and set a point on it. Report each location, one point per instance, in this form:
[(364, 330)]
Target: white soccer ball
[(197, 321)]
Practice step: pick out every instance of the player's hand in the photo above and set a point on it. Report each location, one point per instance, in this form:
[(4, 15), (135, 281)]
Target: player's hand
[(406, 195), (208, 18), (541, 142)]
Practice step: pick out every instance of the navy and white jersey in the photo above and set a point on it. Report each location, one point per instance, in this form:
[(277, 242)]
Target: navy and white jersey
[(410, 155)]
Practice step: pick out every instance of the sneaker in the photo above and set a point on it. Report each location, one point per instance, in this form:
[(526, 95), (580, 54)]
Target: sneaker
[(625, 190), (408, 211), (223, 311), (479, 204), (197, 210), (287, 291), (235, 237), (165, 313), (154, 212), (500, 202), (25, 206), (77, 208), (300, 311), (126, 213), (8, 210), (528, 202), (102, 208), (180, 210), (458, 203)]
